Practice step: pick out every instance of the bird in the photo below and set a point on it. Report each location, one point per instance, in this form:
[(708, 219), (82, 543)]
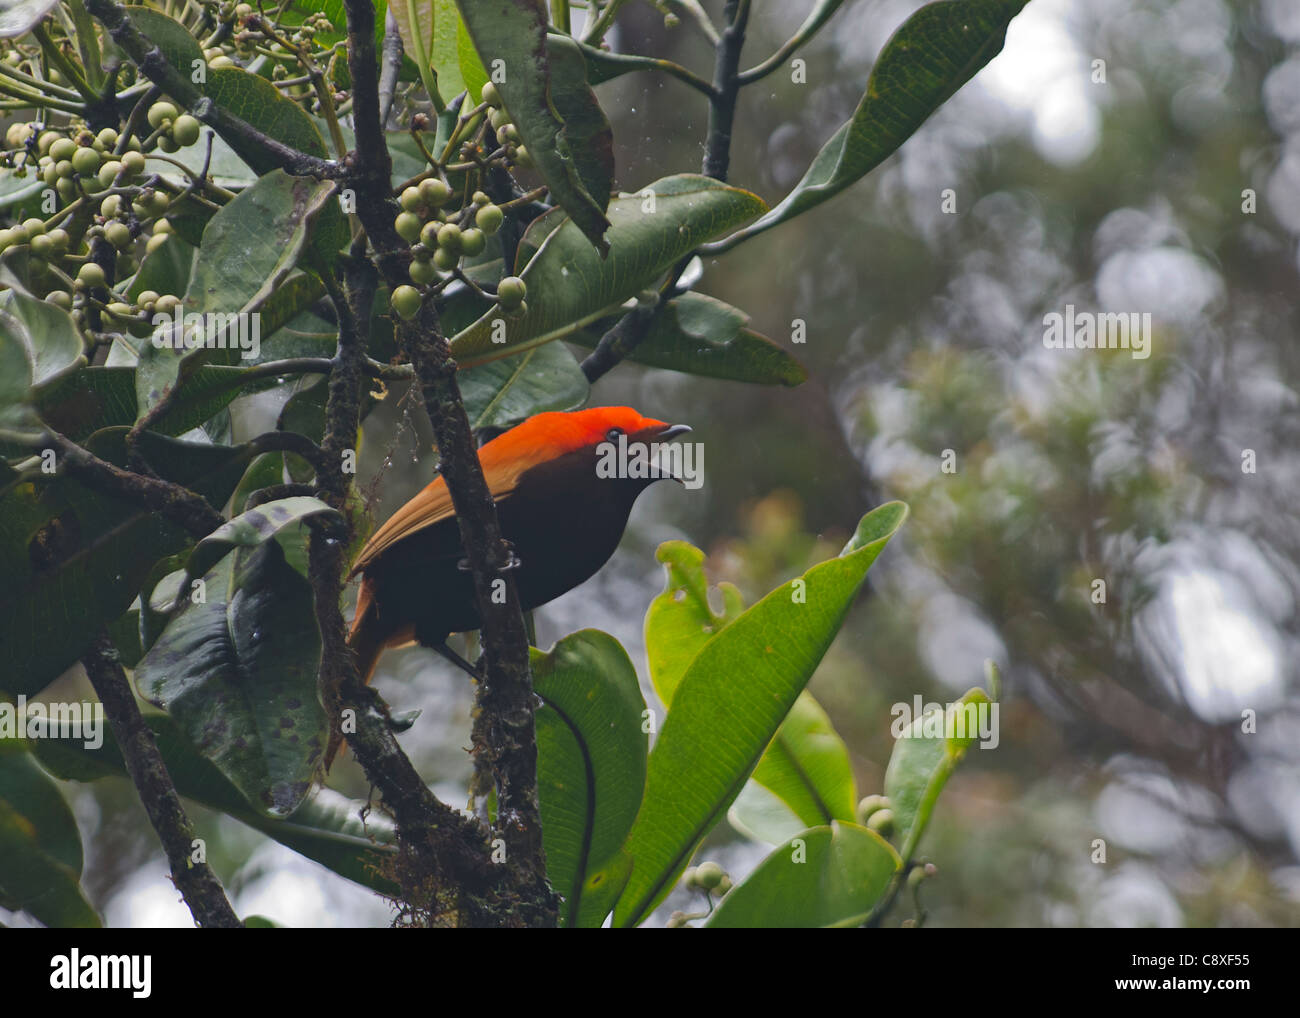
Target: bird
[(560, 510)]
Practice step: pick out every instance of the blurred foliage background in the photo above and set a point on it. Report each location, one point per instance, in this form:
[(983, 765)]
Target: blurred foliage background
[(1121, 186)]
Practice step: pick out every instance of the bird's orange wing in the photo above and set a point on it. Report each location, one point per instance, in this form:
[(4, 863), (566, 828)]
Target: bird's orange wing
[(502, 468)]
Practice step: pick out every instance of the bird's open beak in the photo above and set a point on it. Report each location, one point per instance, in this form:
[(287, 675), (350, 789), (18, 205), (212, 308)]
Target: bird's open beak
[(672, 431)]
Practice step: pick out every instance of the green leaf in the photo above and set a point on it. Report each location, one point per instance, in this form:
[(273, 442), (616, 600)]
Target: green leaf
[(47, 335), (591, 765), (40, 847), (542, 89), (249, 250), (924, 758), (252, 528), (570, 286), (166, 269), (74, 559), (327, 827), (237, 671), (680, 620), (452, 54), (736, 692), (760, 815), (807, 766), (700, 335), (827, 876), (259, 103), (502, 393), (936, 51), (176, 43), (18, 17)]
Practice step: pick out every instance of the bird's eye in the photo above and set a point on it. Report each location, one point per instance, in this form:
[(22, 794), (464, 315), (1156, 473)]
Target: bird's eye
[(613, 433)]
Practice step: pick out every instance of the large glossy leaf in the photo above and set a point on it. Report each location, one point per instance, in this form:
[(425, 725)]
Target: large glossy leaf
[(18, 16), (591, 765), (237, 672), (327, 827), (807, 766), (570, 285), (38, 342), (729, 705), (827, 876), (258, 102), (40, 847), (74, 559), (249, 250), (546, 94), (924, 758), (502, 393), (452, 53), (700, 335), (681, 620), (936, 51)]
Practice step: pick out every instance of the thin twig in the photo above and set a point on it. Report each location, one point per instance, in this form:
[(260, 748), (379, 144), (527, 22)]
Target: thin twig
[(197, 883)]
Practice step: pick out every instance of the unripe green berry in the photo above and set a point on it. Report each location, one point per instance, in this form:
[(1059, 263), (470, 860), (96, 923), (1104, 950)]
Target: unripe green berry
[(120, 310), (147, 298), (65, 169), (870, 804), (108, 173), (498, 119), (111, 206), (480, 198), (42, 246), (411, 200), (219, 62), (422, 273), (518, 311), (489, 218), (85, 161), (64, 148), (155, 242), (66, 188), (408, 226), (34, 227), (46, 139), (511, 291), (434, 192), (429, 234), (60, 239), (18, 235), (472, 242), (5, 238), (133, 163), (91, 275), (406, 301), (446, 259), (882, 822), (449, 236), (168, 144), (161, 112), (118, 234), (489, 94), (166, 304), (107, 139), (50, 173), (60, 297), (185, 130), (708, 875), (163, 227), (523, 158)]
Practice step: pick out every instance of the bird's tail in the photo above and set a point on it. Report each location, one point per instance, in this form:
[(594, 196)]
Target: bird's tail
[(367, 642), (365, 639)]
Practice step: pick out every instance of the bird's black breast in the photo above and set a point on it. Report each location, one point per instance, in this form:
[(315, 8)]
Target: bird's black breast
[(562, 521)]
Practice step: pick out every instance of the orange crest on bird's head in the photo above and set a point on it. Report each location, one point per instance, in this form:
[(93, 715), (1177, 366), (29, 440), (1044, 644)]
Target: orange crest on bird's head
[(558, 432)]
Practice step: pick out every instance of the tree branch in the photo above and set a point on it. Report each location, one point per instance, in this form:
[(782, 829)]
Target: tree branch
[(195, 880), (246, 140), (173, 502), (506, 701), (726, 86)]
